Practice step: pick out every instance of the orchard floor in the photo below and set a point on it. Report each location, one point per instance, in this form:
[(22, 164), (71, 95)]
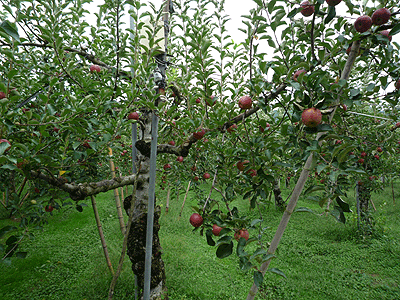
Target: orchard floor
[(321, 258)]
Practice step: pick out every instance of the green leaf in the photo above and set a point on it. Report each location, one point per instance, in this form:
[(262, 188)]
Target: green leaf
[(240, 247), (6, 229), (337, 212), (395, 29), (304, 209), (7, 27), (324, 127), (254, 222), (258, 278), (370, 87), (331, 14), (224, 250), (210, 240), (268, 257), (343, 205), (11, 240), (354, 92), (293, 13), (314, 188), (277, 271), (21, 254)]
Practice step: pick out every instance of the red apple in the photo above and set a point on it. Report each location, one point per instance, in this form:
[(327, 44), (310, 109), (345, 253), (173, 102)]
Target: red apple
[(179, 158), (386, 33), (381, 16), (333, 2), (361, 161), (49, 208), (198, 100), (232, 128), (167, 166), (363, 23), (311, 117), (133, 116), (196, 178), (397, 84), (245, 102), (172, 143), (2, 95), (95, 68), (206, 176), (241, 164), (363, 154), (252, 172), (297, 74), (199, 134), (196, 220), (241, 233), (307, 9), (379, 149), (216, 230), (376, 156)]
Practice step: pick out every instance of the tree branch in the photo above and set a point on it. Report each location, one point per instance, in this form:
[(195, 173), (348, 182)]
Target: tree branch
[(79, 191)]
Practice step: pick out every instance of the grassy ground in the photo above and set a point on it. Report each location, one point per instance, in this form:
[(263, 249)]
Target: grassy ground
[(321, 258)]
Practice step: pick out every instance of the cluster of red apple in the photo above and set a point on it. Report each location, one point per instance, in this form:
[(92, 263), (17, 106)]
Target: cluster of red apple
[(197, 220), (379, 17)]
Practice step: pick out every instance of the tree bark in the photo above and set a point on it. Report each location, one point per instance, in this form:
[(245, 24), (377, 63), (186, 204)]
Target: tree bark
[(279, 203), (136, 246)]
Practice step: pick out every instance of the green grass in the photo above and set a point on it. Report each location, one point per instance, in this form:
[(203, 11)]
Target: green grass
[(322, 259)]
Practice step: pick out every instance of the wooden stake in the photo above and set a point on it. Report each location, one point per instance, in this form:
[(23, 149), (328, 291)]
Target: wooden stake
[(184, 199), (167, 205), (103, 240), (116, 196)]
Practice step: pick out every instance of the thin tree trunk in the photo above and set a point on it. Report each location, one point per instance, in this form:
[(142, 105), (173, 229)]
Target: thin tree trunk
[(103, 240), (302, 179), (184, 199), (116, 196)]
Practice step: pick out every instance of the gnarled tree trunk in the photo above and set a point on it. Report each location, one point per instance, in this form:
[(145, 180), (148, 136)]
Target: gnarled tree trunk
[(136, 246)]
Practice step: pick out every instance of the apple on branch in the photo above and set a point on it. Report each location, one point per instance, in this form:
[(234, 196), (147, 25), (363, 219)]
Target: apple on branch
[(311, 117), (241, 233), (333, 2), (95, 69), (245, 102), (196, 220), (381, 16), (307, 9), (363, 23), (133, 116)]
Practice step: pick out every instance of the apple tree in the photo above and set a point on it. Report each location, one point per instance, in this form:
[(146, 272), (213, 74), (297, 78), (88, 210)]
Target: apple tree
[(230, 109)]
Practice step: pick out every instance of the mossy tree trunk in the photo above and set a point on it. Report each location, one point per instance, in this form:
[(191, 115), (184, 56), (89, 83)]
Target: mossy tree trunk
[(136, 246)]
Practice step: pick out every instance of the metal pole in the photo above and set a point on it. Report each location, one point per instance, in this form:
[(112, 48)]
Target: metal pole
[(153, 159), (134, 134), (150, 207)]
